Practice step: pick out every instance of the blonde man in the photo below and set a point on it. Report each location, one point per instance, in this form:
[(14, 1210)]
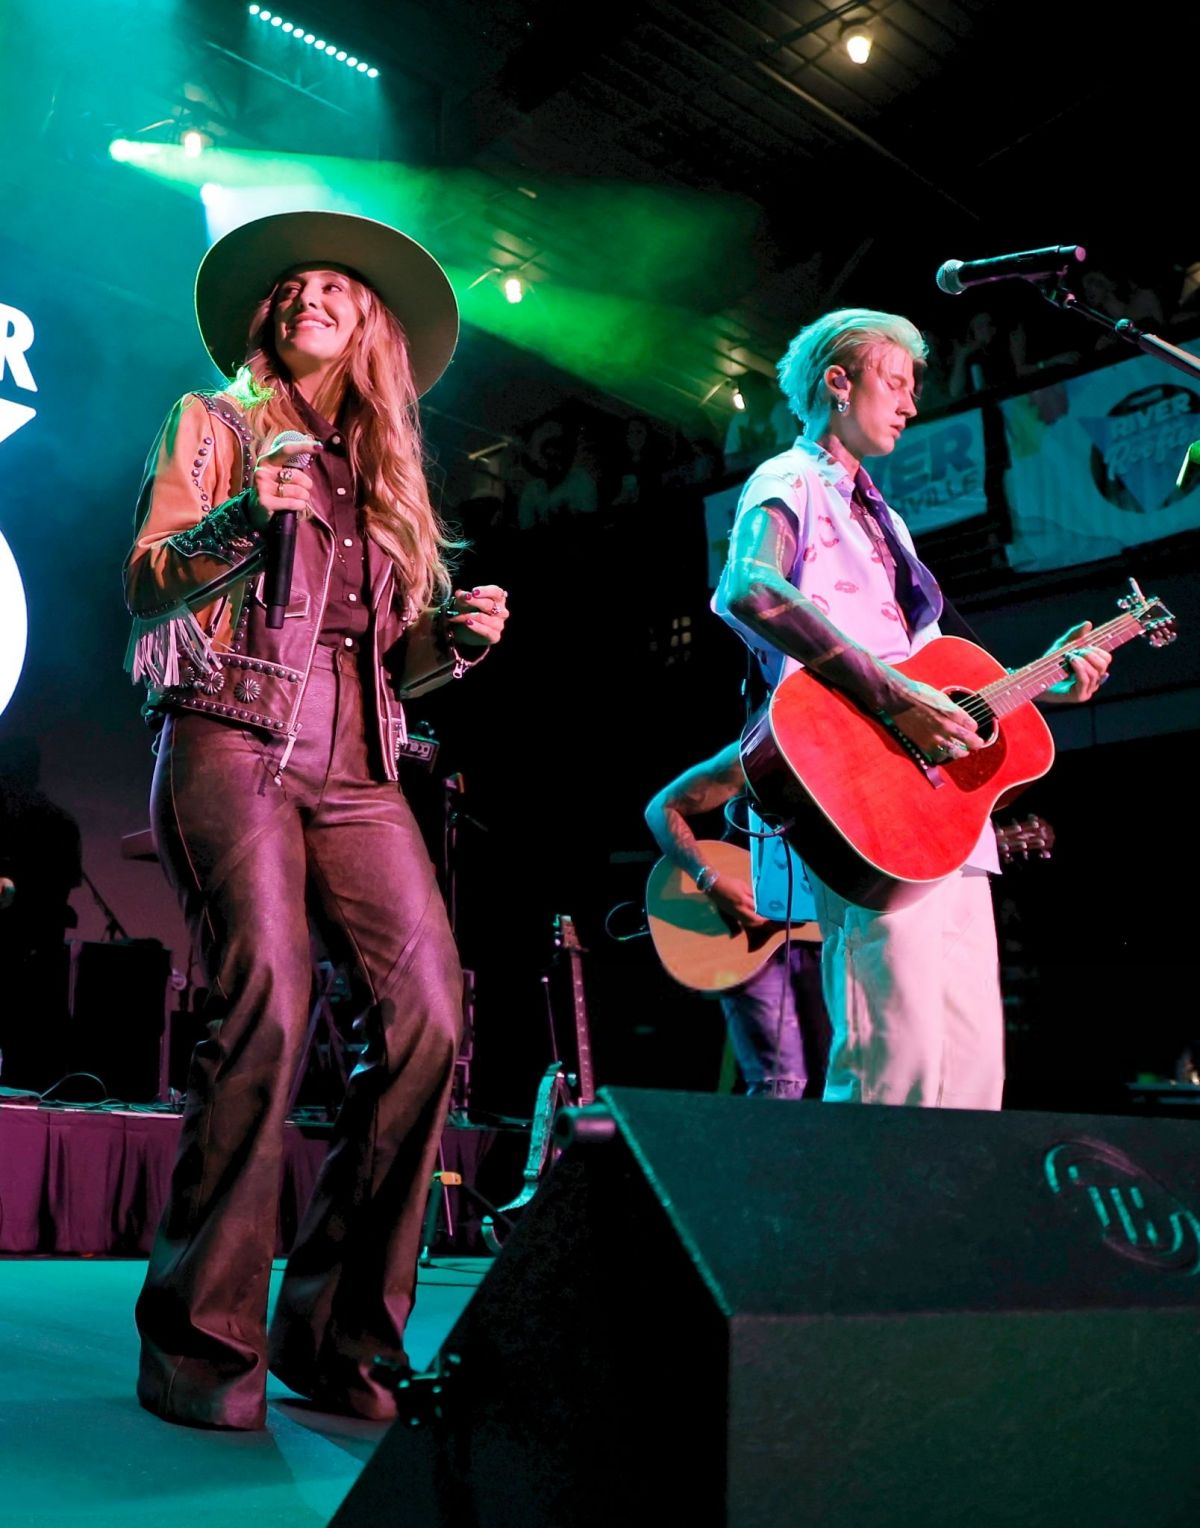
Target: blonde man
[(822, 573)]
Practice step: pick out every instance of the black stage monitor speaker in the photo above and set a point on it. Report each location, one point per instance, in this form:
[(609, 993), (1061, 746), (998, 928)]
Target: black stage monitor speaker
[(118, 1010), (742, 1312)]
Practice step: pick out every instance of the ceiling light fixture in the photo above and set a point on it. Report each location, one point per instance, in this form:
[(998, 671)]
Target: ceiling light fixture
[(318, 44), (856, 39)]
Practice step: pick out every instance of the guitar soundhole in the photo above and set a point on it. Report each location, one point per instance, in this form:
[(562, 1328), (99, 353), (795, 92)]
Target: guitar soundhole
[(975, 705)]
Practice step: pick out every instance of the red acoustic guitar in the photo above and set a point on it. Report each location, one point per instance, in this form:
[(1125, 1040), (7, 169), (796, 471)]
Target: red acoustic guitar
[(873, 816)]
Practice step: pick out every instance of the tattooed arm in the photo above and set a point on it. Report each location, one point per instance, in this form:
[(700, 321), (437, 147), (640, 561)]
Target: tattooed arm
[(703, 788), (757, 591)]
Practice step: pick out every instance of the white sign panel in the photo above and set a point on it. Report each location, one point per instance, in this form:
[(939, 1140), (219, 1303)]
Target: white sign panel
[(1094, 462)]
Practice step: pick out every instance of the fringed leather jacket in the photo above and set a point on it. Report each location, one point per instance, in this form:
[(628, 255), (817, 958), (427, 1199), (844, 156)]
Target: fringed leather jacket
[(193, 584)]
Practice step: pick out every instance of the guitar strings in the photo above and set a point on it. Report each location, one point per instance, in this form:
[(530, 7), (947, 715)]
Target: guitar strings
[(1005, 694)]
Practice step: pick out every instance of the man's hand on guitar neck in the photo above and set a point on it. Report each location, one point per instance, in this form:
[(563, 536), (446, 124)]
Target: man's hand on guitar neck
[(1089, 667)]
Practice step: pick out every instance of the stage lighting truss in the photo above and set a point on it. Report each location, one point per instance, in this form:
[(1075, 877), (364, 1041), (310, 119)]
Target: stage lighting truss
[(319, 44)]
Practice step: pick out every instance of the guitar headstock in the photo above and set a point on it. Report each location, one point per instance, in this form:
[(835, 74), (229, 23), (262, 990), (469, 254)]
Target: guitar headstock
[(1033, 836), (1156, 621), (565, 935)]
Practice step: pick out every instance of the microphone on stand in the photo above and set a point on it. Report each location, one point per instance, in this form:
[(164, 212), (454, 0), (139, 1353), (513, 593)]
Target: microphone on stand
[(281, 540), (955, 276)]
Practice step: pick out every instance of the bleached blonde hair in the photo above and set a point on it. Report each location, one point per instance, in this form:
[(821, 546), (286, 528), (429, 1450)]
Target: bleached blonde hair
[(370, 390), (843, 338)]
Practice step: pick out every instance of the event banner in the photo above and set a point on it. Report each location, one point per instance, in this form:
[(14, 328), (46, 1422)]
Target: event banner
[(933, 478), (935, 475), (1094, 462)]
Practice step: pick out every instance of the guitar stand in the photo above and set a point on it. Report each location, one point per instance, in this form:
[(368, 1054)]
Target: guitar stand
[(329, 1056), (439, 1200)]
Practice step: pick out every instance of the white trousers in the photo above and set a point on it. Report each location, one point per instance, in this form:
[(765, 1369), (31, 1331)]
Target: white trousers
[(914, 998)]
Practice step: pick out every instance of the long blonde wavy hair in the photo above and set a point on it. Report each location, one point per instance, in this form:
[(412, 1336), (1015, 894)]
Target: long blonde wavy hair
[(370, 391)]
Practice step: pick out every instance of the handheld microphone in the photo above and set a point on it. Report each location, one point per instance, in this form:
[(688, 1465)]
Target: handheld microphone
[(281, 545), (1032, 264)]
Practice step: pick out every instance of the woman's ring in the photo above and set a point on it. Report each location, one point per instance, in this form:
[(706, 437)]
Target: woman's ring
[(495, 607), (286, 474)]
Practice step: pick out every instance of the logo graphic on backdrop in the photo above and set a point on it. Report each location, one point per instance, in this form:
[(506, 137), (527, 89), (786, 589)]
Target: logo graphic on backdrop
[(1138, 445), (16, 338), (1137, 1217), (13, 624), (1093, 463)]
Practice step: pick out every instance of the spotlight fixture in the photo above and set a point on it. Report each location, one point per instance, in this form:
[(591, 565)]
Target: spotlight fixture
[(856, 39), (738, 400), (193, 143), (514, 288), (298, 33)]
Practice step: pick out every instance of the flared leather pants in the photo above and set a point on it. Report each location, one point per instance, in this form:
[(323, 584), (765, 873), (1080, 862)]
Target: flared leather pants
[(248, 857)]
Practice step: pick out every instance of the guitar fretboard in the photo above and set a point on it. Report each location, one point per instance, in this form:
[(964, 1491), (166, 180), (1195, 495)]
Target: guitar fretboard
[(1026, 684)]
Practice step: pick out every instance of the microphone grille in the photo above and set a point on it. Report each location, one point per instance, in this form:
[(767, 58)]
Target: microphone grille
[(294, 437), (947, 278)]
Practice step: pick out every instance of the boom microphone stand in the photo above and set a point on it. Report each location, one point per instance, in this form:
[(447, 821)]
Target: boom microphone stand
[(1057, 291), (453, 789), (114, 929)]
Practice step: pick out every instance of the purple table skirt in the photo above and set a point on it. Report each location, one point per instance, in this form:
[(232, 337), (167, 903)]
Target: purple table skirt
[(82, 1183)]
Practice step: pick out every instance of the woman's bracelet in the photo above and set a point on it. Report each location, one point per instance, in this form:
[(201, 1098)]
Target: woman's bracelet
[(706, 878), (445, 637), (461, 664)]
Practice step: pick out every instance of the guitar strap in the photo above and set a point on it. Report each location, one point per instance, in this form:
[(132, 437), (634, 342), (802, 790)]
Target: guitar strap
[(755, 689), (954, 624)]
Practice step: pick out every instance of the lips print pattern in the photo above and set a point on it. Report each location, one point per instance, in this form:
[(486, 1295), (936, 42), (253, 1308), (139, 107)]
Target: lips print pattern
[(826, 534)]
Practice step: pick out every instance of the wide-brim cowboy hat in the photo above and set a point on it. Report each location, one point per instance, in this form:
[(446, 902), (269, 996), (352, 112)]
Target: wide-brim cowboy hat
[(241, 268)]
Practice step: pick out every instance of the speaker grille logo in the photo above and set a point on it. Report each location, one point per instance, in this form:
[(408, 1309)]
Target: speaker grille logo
[(1139, 1219)]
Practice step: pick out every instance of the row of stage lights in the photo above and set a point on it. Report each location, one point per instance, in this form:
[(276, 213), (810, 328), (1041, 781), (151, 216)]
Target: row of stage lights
[(319, 44)]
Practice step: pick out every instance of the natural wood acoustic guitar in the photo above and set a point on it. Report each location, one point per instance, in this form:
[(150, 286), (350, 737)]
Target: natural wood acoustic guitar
[(704, 950), (558, 1089)]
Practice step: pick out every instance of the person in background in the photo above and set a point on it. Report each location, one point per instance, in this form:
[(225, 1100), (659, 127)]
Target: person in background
[(1116, 301), (764, 426), (776, 1020), (562, 478), (41, 864)]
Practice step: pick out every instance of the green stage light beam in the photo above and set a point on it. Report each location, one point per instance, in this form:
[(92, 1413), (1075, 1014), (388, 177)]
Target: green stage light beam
[(618, 343), (649, 264)]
